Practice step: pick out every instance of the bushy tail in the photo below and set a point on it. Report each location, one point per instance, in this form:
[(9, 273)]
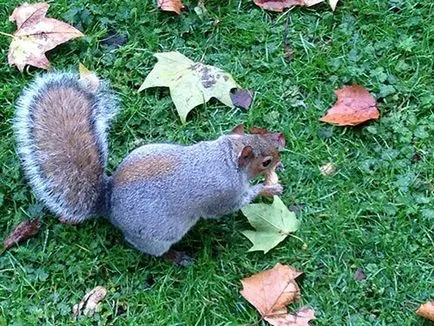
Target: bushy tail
[(60, 124)]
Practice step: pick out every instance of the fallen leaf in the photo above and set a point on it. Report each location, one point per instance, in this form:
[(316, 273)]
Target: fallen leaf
[(354, 106), (270, 292), (328, 169), (300, 318), (333, 4), (273, 223), (426, 310), (35, 35), (242, 98), (170, 5), (89, 78), (359, 275), (90, 302), (22, 232), (279, 5), (191, 83)]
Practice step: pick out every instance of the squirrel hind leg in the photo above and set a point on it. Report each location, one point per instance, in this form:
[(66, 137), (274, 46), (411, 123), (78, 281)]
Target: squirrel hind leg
[(148, 245)]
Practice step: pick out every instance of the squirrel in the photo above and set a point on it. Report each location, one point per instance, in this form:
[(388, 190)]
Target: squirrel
[(158, 192)]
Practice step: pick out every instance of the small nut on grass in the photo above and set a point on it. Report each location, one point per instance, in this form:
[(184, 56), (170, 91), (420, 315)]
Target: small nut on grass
[(90, 302), (328, 169)]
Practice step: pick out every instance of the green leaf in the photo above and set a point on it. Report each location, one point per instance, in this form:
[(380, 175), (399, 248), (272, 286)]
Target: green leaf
[(273, 223), (191, 83)]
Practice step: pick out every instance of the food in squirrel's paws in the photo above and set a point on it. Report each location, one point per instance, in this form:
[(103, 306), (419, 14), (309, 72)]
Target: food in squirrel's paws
[(271, 178)]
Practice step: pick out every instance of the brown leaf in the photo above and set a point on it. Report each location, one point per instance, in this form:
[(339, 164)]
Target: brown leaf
[(22, 232), (242, 98), (279, 5), (300, 318), (359, 275), (170, 5), (271, 290), (35, 35), (426, 310), (354, 106), (89, 304)]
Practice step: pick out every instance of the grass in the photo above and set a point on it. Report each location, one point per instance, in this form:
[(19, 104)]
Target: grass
[(376, 213)]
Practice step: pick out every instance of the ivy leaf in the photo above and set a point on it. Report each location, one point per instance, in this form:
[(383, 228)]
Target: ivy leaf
[(273, 223), (190, 83)]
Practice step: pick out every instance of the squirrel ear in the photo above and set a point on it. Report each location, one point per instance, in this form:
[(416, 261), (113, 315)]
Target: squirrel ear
[(239, 130), (245, 155)]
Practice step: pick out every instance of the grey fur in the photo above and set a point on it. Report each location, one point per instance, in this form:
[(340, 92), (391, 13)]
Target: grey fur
[(155, 213), (30, 153), (153, 210)]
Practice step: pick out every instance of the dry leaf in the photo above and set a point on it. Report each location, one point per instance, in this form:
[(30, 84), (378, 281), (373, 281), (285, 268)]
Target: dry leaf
[(35, 35), (170, 5), (279, 5), (22, 232), (426, 310), (354, 106), (359, 275), (90, 302), (328, 169), (89, 78), (333, 4), (270, 291), (242, 98), (300, 318), (191, 83)]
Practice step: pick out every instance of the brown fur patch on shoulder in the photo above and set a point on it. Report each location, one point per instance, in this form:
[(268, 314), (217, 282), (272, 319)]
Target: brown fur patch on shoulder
[(144, 169)]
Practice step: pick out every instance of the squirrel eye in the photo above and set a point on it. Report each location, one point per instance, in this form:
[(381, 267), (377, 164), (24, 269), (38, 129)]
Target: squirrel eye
[(266, 163)]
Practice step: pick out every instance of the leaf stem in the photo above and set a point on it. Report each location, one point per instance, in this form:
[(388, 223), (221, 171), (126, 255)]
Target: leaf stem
[(6, 34)]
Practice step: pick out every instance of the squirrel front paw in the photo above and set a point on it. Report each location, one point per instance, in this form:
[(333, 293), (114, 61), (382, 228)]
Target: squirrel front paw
[(271, 190)]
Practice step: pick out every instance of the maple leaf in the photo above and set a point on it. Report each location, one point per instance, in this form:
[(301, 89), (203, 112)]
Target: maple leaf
[(426, 310), (354, 106), (279, 5), (170, 5), (273, 223), (22, 232), (35, 35), (270, 292), (191, 83)]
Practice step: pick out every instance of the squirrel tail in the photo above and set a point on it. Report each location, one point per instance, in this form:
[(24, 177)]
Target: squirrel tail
[(61, 124)]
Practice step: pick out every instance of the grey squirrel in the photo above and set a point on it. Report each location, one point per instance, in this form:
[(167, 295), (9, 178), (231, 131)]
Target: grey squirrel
[(158, 192)]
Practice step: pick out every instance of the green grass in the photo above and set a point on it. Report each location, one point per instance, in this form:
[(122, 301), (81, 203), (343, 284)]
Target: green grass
[(376, 213)]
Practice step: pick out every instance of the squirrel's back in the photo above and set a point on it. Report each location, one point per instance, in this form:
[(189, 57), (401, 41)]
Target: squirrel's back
[(61, 122)]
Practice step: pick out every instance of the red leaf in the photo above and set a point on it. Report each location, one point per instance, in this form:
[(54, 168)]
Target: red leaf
[(355, 105)]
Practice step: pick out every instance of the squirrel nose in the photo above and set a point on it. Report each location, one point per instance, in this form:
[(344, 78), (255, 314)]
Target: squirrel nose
[(279, 166)]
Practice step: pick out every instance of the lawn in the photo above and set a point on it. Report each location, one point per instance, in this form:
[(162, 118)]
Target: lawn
[(375, 214)]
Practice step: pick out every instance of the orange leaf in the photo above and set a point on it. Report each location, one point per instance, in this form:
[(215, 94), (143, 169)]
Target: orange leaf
[(279, 5), (426, 310), (35, 35), (271, 290), (170, 5), (354, 106), (300, 318)]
